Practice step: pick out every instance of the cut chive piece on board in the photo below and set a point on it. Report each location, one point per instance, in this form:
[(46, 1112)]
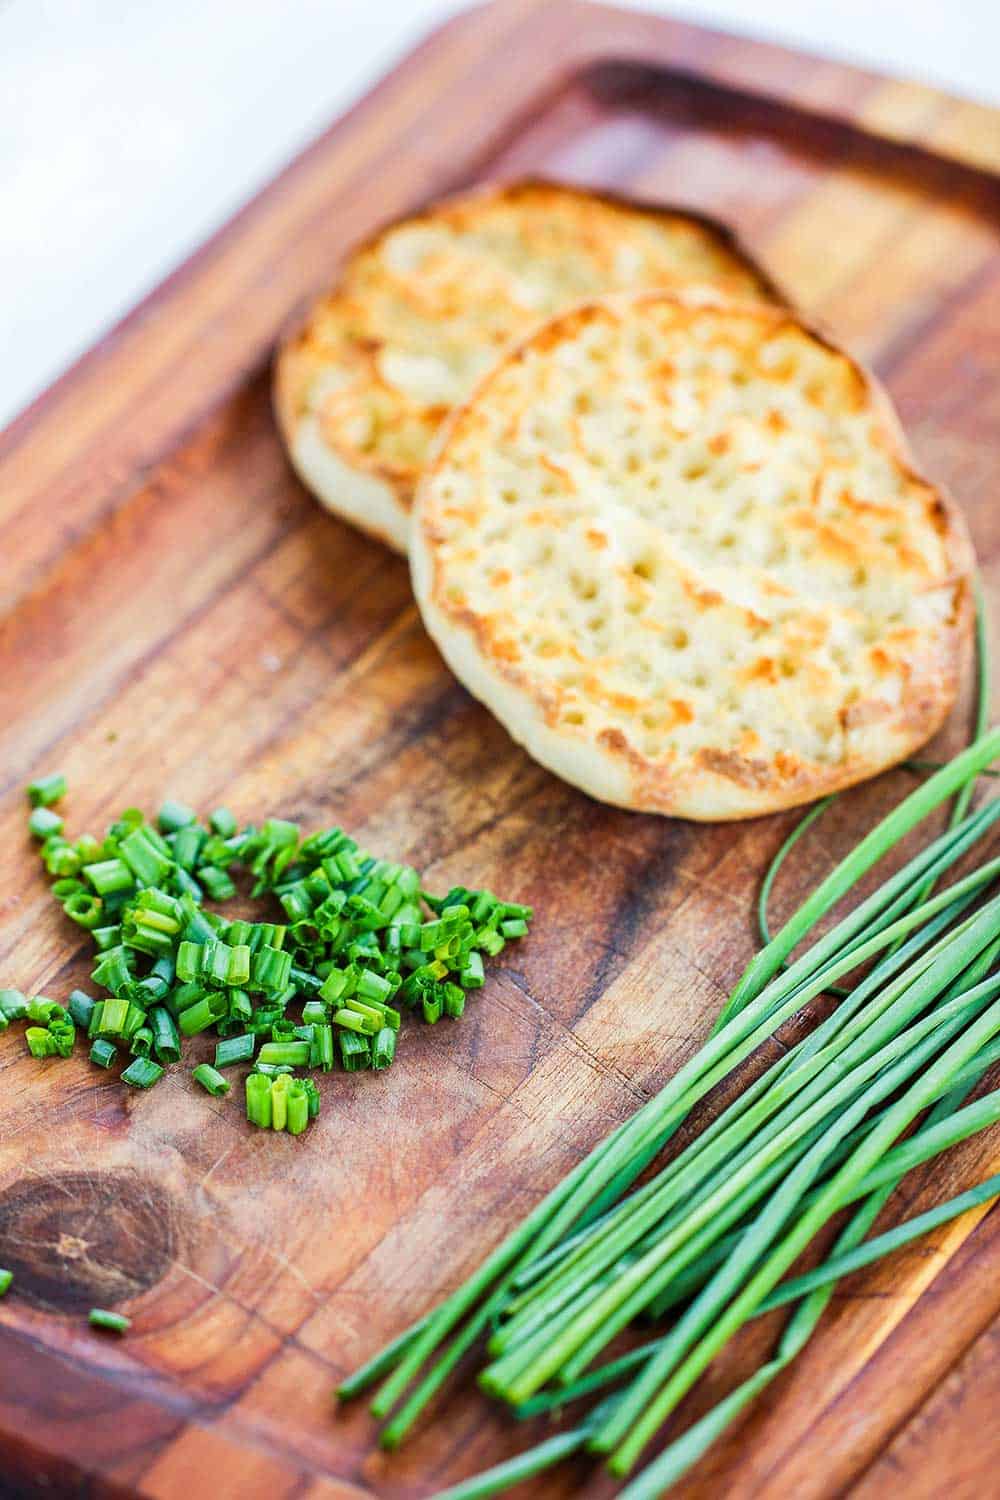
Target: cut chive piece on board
[(173, 816), (279, 1101), (142, 1073), (355, 1053), (211, 1080), (292, 1054), (383, 1048), (222, 822), (166, 1037), (13, 1005), (40, 1042), (235, 1049), (297, 1117), (6, 1278), (258, 1100), (43, 823), (108, 1322), (47, 789)]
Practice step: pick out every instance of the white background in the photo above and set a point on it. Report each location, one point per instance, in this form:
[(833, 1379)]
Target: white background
[(130, 129)]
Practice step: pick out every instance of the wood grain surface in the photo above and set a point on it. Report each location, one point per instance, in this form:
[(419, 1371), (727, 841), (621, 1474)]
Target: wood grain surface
[(180, 618)]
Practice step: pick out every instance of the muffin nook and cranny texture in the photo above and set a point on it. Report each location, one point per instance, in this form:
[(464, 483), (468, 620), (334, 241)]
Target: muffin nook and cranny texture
[(421, 311), (672, 536), (677, 546)]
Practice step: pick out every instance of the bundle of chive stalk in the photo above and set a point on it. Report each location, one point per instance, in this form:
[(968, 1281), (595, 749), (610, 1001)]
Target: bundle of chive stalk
[(357, 942), (709, 1238)]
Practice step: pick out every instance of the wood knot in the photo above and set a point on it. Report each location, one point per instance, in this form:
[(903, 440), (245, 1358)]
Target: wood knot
[(77, 1240)]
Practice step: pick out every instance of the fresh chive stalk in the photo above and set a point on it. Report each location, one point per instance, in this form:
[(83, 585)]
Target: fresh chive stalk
[(926, 1021)]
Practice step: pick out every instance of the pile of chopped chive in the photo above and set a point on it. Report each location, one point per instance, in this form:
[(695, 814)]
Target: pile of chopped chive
[(360, 939), (880, 1086)]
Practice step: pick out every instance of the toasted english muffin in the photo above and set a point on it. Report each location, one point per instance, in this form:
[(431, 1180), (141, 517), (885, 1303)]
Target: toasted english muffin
[(421, 312), (678, 547)]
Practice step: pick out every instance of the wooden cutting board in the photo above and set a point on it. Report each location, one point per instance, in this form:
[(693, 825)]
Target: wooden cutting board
[(181, 618)]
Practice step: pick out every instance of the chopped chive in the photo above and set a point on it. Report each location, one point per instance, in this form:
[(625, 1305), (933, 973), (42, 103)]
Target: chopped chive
[(355, 1053), (336, 985), (185, 845), (182, 997), (109, 1322), (258, 1099), (432, 1006), (112, 971), (223, 823), (238, 966), (135, 1017), (166, 1037), (170, 968), (63, 1034), (321, 1048), (141, 852), (106, 937), (103, 1053), (150, 991), (41, 1008), (235, 1049), (383, 1048), (142, 1073), (43, 823), (373, 986), (187, 884), (80, 1007), (202, 1014), (270, 969), (109, 875), (292, 1054), (374, 1012), (472, 976), (353, 1020), (240, 1006), (188, 961), (6, 1278), (88, 849), (211, 1080), (47, 789), (60, 858), (453, 997), (84, 908), (297, 1106), (216, 882), (40, 1042), (165, 969), (13, 1005), (279, 1101), (141, 1042), (174, 815)]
